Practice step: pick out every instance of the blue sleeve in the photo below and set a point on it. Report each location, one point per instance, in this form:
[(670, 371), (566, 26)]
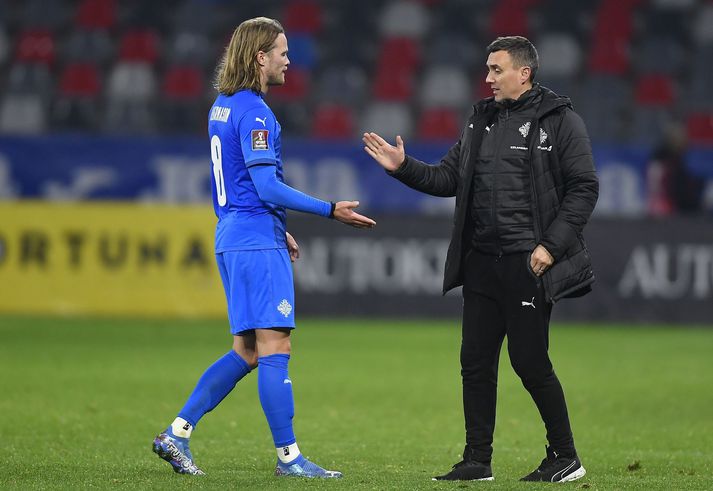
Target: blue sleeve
[(270, 189), (257, 132)]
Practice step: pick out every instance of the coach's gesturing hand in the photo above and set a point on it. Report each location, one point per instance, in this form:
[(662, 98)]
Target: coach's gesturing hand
[(388, 156), (344, 212)]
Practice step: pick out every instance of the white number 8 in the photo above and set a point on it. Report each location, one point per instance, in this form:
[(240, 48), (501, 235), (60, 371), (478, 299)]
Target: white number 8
[(216, 156)]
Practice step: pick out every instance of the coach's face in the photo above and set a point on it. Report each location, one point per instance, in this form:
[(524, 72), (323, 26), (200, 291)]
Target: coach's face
[(506, 81), (275, 62)]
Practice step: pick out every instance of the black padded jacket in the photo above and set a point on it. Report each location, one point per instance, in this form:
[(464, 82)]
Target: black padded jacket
[(564, 189)]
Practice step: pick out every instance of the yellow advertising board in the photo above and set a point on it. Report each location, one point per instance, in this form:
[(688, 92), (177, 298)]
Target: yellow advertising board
[(109, 259)]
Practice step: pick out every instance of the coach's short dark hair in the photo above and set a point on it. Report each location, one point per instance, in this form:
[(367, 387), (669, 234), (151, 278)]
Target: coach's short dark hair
[(520, 49)]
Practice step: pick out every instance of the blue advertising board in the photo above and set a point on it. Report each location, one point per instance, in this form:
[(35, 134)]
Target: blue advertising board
[(177, 170)]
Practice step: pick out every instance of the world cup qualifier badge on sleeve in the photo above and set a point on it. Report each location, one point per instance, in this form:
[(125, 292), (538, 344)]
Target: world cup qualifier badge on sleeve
[(259, 139)]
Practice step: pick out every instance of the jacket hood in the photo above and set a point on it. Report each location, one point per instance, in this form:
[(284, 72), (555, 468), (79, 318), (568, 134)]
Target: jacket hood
[(550, 102)]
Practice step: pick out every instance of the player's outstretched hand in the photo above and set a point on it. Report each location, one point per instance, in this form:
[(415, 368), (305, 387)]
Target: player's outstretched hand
[(344, 212), (388, 156)]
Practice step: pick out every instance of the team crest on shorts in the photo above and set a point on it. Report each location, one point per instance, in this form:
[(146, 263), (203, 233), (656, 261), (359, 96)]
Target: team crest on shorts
[(259, 139), (285, 308)]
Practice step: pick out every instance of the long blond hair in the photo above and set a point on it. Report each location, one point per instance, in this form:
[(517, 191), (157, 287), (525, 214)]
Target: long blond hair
[(238, 69)]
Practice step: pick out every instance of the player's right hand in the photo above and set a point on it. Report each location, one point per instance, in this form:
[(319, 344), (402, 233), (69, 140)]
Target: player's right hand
[(344, 212), (388, 156)]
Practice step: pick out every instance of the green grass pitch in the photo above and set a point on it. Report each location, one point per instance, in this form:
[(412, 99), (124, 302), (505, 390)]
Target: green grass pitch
[(81, 399)]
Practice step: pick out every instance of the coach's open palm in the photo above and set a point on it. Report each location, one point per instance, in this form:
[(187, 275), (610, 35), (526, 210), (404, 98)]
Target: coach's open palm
[(388, 156), (344, 212)]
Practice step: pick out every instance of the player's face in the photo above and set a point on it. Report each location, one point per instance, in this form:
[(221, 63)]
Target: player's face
[(506, 81), (276, 62)]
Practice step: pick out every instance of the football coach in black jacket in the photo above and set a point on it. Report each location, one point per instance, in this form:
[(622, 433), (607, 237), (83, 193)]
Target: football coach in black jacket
[(523, 176)]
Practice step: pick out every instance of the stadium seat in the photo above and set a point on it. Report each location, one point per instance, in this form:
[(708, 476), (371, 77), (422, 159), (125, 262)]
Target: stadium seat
[(509, 17), (438, 124), (190, 47), (22, 114), (654, 90), (399, 53), (611, 38), (387, 119), (396, 84), (80, 80), (445, 86), (76, 106), (181, 112), (699, 128), (649, 52), (131, 81), (648, 125), (93, 45), (183, 82), (703, 25), (403, 18), (303, 51), (96, 14), (342, 84), (35, 46), (43, 14), (295, 119), (140, 45), (30, 78), (295, 89), (454, 49), (560, 56), (333, 121), (303, 16)]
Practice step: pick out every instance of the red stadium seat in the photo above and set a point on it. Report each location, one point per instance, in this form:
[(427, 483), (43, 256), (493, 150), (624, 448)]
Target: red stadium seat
[(509, 17), (481, 90), (96, 14), (438, 124), (35, 46), (611, 37), (183, 82), (333, 121), (139, 45), (393, 84), (398, 53), (655, 90), (303, 16), (296, 87), (700, 128), (80, 80)]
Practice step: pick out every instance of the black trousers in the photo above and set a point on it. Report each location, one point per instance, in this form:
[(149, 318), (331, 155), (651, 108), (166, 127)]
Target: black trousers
[(503, 297)]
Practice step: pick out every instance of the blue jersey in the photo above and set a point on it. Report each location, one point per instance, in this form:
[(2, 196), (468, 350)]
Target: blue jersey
[(244, 132)]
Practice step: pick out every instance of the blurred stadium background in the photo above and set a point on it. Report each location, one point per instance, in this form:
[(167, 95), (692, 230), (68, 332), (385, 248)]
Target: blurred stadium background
[(105, 101), (105, 213)]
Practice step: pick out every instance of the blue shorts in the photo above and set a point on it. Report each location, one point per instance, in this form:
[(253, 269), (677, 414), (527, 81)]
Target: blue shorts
[(259, 288)]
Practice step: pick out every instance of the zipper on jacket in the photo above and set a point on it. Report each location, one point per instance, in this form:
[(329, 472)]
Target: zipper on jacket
[(493, 194), (535, 208)]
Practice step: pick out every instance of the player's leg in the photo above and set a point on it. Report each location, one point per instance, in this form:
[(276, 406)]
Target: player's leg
[(216, 382), (275, 390), (274, 305), (528, 342)]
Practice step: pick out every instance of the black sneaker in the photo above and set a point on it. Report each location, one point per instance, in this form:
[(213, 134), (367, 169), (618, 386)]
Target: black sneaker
[(468, 470), (556, 468)]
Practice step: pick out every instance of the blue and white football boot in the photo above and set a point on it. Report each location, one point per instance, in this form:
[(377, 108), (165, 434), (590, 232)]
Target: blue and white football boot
[(301, 467), (175, 451)]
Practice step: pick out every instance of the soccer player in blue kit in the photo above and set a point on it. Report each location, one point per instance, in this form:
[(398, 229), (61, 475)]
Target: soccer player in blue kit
[(253, 248)]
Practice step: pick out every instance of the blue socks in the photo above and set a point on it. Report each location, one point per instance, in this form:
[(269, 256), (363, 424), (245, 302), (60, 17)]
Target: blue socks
[(275, 389), (213, 386)]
